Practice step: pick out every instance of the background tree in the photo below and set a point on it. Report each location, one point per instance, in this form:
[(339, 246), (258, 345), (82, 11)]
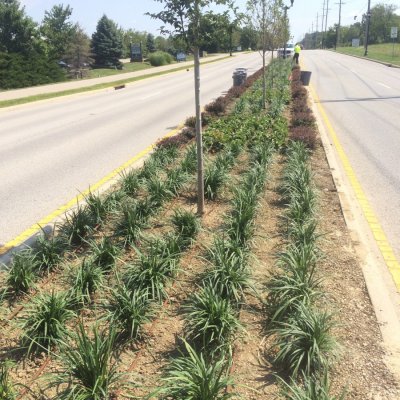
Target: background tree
[(129, 37), (107, 43), (248, 37), (18, 32), (182, 20), (150, 43), (57, 31), (23, 60), (78, 53)]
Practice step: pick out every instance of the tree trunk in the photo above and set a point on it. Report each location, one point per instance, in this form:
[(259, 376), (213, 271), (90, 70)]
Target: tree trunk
[(199, 139), (264, 82)]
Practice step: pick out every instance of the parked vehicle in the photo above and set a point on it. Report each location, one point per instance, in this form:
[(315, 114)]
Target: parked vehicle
[(289, 51)]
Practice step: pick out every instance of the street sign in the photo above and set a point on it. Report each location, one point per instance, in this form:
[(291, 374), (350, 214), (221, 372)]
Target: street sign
[(136, 52), (355, 42), (181, 57), (393, 32)]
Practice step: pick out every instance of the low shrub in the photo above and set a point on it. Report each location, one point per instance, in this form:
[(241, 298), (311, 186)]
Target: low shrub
[(304, 134), (217, 107), (302, 119), (160, 58)]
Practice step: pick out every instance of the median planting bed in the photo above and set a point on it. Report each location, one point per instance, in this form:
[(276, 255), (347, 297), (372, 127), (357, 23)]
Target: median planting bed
[(136, 296)]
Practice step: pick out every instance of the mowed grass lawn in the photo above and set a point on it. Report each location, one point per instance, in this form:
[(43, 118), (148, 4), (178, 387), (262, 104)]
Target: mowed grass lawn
[(128, 67), (380, 52)]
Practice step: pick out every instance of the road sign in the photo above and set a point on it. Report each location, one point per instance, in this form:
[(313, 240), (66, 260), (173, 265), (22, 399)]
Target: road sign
[(136, 52), (355, 42), (393, 32)]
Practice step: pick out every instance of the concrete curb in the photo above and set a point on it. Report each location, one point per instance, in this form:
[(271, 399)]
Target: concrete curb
[(31, 242)]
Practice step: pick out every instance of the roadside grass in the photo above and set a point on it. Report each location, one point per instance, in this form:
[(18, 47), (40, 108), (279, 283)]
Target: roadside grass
[(100, 86), (127, 67), (380, 52)]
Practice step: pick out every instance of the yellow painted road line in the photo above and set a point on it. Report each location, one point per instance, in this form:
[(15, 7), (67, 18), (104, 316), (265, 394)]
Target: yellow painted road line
[(64, 208), (379, 235)]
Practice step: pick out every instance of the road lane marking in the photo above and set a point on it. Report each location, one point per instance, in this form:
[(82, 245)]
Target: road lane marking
[(73, 202), (382, 84), (386, 250)]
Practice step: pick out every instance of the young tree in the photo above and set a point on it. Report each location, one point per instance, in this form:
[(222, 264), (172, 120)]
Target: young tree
[(78, 52), (107, 43), (268, 20), (57, 30), (182, 19)]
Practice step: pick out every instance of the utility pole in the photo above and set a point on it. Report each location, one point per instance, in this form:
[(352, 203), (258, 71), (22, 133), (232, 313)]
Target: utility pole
[(312, 34), (316, 34), (367, 28), (286, 25), (322, 25), (338, 27), (326, 19)]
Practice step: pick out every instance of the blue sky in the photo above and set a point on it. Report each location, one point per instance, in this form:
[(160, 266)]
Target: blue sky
[(130, 13)]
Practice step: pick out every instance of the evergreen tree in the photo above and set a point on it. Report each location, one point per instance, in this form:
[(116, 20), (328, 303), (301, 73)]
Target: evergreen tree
[(23, 60), (57, 31), (150, 43), (107, 43)]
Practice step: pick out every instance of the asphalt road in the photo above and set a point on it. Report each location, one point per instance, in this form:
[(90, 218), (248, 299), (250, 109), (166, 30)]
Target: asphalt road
[(50, 151), (362, 101)]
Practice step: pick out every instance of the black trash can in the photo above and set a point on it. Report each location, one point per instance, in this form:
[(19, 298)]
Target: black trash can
[(239, 76), (305, 77)]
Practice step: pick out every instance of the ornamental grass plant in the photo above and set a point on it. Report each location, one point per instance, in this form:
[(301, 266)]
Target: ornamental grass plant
[(305, 343), (193, 375), (45, 323), (128, 310), (89, 370), (210, 321), (22, 273), (312, 387), (7, 390)]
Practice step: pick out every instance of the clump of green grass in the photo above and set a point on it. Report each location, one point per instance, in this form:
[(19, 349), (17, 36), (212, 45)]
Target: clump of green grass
[(88, 278), (312, 388), (49, 251), (214, 179), (154, 269), (189, 162), (22, 272), (44, 325), (89, 370), (193, 376), (77, 226), (187, 225), (114, 200), (166, 154), (230, 278), (104, 253), (128, 310), (305, 343), (176, 178), (288, 291), (210, 320), (130, 182), (149, 169), (97, 207), (7, 391), (158, 191), (133, 220)]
